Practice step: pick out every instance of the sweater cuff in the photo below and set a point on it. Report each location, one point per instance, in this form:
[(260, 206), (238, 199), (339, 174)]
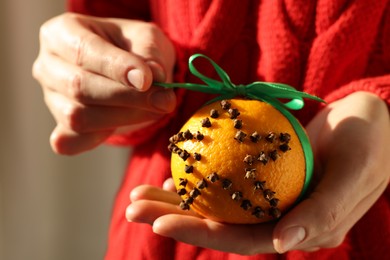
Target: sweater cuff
[(379, 86)]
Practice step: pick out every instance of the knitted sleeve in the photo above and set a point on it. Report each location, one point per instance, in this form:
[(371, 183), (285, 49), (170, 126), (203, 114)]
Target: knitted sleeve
[(351, 51), (377, 79), (374, 30)]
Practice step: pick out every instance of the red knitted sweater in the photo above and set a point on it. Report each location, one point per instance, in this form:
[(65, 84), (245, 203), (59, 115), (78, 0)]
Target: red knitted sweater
[(329, 48)]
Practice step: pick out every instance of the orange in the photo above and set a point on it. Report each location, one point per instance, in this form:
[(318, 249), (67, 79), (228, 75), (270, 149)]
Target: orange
[(238, 161)]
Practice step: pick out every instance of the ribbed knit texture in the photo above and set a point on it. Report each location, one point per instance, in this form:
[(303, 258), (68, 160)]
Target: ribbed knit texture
[(330, 48)]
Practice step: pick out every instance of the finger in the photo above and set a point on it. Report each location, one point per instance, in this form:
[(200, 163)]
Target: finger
[(240, 239), (351, 182), (158, 71), (152, 45), (93, 89), (66, 142), (169, 185), (336, 236), (324, 218), (319, 214), (147, 211), (312, 249), (86, 119), (79, 43), (336, 195), (148, 192)]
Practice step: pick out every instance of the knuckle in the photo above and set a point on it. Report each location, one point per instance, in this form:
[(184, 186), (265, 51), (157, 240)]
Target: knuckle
[(49, 28), (44, 31), (70, 16), (152, 50), (76, 83), (154, 28), (155, 31), (333, 217), (67, 18), (149, 28), (250, 248), (334, 241), (330, 215), (151, 35), (74, 115), (80, 46), (36, 69), (114, 67)]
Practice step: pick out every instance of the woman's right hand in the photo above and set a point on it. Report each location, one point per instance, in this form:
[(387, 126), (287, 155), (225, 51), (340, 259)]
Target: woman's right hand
[(96, 75)]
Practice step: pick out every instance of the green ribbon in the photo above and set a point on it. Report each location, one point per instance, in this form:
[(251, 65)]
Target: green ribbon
[(264, 91)]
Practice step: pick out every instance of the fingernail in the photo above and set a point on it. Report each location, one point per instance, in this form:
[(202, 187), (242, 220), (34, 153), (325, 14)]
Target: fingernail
[(136, 78), (162, 100), (289, 239)]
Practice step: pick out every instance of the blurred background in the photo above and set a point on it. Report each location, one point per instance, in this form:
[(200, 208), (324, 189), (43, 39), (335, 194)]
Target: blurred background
[(51, 207)]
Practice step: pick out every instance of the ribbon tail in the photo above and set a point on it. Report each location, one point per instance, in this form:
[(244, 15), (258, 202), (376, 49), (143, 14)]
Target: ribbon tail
[(295, 104), (277, 91), (190, 86)]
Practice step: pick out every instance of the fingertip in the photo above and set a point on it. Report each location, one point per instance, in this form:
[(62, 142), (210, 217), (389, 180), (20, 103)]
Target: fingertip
[(54, 142), (158, 71), (276, 240), (65, 142), (277, 246), (178, 226), (163, 100), (59, 142), (159, 226), (135, 212), (288, 238), (295, 227), (136, 194), (169, 185), (129, 213)]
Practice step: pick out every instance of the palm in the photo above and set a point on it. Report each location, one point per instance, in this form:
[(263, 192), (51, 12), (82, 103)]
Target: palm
[(328, 212)]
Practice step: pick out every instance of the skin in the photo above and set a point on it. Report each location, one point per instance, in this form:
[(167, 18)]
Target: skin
[(321, 220), (82, 68)]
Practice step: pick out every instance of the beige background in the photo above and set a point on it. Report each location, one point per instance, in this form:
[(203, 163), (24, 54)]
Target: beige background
[(51, 207)]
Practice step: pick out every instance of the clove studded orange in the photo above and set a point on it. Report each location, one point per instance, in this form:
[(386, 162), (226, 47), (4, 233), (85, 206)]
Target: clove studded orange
[(238, 161)]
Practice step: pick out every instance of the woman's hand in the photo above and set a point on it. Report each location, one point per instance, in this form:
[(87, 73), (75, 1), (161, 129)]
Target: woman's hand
[(351, 141), (159, 208), (96, 75)]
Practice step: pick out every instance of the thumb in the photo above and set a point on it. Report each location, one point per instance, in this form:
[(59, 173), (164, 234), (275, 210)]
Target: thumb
[(321, 220)]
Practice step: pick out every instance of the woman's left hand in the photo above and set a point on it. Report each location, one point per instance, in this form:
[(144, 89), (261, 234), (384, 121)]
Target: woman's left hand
[(351, 144)]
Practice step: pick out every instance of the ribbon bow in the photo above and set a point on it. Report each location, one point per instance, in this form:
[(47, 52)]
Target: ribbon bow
[(264, 91)]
